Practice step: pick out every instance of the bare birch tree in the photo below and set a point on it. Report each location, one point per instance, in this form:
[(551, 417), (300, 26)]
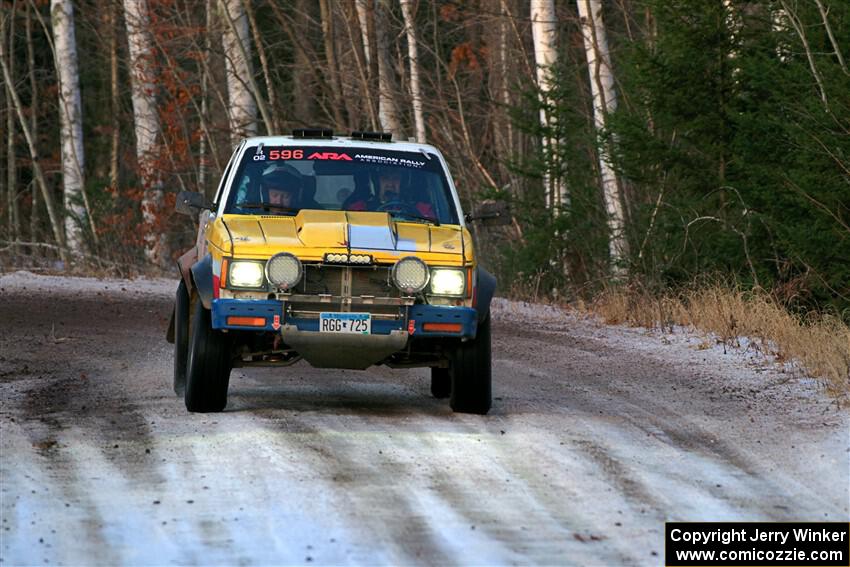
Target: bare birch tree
[(11, 165), (357, 32), (544, 32), (240, 75), (388, 111), (604, 102), (70, 113), (145, 119), (34, 210), (328, 32), (363, 19), (114, 94), (412, 53), (274, 126)]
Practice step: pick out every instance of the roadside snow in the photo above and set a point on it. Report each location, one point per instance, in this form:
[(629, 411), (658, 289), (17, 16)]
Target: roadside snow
[(28, 281), (742, 364)]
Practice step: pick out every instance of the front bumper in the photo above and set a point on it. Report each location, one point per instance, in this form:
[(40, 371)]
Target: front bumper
[(418, 321)]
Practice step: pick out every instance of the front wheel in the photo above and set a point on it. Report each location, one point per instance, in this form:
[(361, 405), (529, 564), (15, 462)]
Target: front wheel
[(471, 373), (208, 368)]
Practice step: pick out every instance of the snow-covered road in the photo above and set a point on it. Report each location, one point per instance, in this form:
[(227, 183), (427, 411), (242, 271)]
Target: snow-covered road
[(597, 436)]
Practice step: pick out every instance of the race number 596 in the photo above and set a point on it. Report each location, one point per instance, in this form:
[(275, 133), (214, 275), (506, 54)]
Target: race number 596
[(286, 154)]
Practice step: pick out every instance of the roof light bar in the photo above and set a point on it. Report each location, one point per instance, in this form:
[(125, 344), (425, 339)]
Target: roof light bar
[(375, 136), (312, 133)]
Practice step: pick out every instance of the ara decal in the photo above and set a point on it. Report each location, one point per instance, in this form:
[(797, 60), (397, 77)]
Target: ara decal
[(330, 156)]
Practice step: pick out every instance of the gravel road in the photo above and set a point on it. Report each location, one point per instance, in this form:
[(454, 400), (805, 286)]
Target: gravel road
[(597, 436)]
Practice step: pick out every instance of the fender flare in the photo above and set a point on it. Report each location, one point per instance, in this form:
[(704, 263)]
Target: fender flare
[(485, 288), (202, 280), (184, 266)]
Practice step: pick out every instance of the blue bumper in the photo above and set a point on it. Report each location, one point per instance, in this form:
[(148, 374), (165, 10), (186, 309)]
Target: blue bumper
[(415, 323), (269, 309)]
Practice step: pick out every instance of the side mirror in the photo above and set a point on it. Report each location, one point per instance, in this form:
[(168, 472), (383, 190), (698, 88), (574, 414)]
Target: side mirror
[(491, 213), (189, 203)]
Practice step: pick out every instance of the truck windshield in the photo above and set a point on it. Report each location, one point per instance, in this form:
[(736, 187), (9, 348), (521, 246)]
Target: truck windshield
[(281, 180)]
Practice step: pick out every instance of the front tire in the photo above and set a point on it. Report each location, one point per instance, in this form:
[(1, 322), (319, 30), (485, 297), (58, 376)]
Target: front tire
[(181, 338), (208, 368), (471, 373)]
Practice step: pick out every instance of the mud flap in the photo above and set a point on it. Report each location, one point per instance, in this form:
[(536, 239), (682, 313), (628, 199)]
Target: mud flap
[(486, 287), (202, 278)]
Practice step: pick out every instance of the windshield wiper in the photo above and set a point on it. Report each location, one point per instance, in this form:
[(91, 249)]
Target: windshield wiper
[(411, 216), (268, 207)]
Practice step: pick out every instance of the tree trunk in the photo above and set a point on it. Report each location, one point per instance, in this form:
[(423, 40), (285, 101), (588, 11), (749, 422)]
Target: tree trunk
[(202, 143), (240, 75), (824, 14), (11, 161), (306, 85), (497, 35), (363, 20), (356, 33), (70, 113), (388, 111), (114, 97), (544, 32), (274, 126), (55, 221), (412, 52), (35, 213), (330, 59), (146, 123), (604, 102)]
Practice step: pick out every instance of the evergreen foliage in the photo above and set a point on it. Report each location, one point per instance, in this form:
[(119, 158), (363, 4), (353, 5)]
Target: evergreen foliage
[(732, 162)]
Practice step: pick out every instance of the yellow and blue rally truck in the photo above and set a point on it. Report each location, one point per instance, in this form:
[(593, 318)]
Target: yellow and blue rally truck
[(346, 252)]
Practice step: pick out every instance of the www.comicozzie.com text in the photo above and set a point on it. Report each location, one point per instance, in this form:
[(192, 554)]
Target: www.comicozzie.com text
[(743, 534)]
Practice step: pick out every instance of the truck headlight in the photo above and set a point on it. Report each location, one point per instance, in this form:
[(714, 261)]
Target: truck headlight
[(410, 274), (446, 281), (246, 274), (284, 270)]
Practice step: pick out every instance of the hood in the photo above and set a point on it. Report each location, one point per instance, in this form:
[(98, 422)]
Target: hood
[(355, 230)]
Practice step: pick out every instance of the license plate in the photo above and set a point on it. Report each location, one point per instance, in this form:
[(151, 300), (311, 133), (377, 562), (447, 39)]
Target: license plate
[(357, 323)]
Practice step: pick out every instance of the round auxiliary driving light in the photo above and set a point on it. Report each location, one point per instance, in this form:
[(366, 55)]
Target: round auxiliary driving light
[(284, 270), (410, 275)]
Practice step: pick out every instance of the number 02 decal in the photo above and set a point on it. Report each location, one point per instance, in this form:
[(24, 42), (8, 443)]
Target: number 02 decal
[(286, 154)]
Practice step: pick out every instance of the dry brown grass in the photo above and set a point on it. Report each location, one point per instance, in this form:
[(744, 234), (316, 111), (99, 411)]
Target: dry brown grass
[(820, 343)]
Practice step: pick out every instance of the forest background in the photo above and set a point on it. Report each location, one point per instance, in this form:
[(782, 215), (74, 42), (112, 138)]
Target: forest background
[(648, 144)]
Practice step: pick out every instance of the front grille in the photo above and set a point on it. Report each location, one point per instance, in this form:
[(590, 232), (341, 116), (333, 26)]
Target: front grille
[(365, 280), (373, 281), (364, 289)]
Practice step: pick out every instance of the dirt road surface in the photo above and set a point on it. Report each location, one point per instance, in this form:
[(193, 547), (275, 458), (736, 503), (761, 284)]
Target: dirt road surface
[(597, 436)]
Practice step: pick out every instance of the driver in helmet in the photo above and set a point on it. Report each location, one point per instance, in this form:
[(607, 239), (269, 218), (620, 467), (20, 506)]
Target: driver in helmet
[(281, 188), (389, 197)]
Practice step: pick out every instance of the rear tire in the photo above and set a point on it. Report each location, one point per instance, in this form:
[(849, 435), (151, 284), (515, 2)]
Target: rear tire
[(208, 368), (471, 373), (441, 383), (181, 338)]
